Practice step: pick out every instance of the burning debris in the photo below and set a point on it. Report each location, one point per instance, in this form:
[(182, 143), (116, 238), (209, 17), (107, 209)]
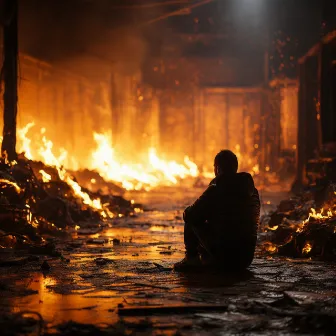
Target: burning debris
[(38, 200), (303, 226), (150, 172), (102, 164)]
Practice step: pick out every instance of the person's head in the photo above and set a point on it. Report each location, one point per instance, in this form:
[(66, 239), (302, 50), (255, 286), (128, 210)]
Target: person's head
[(226, 162)]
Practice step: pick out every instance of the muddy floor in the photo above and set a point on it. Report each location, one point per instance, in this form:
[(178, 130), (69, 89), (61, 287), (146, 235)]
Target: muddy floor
[(120, 281)]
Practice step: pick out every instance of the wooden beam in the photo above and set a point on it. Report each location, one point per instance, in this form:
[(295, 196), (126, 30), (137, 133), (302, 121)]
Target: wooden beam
[(315, 49), (184, 10)]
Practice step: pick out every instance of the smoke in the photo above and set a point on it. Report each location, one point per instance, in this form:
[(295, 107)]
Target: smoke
[(61, 32)]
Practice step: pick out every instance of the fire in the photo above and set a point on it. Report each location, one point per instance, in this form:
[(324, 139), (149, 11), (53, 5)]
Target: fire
[(48, 157), (13, 184), (95, 204), (269, 247), (25, 142), (47, 154), (149, 171), (330, 213), (255, 169), (307, 248), (171, 170), (104, 161), (45, 176), (147, 175)]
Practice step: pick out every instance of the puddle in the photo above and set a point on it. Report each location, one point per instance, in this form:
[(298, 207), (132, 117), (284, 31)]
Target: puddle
[(137, 272)]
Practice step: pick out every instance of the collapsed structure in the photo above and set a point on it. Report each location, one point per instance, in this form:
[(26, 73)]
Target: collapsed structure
[(305, 225)]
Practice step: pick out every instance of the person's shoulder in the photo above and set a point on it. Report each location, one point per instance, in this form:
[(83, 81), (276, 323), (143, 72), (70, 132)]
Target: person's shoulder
[(213, 182), (244, 175), (246, 178), (212, 187)]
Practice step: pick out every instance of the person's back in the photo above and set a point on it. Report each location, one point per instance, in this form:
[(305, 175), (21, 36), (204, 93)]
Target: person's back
[(234, 218), (225, 218)]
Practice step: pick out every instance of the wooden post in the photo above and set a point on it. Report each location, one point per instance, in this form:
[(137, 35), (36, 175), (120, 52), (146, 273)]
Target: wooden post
[(10, 33)]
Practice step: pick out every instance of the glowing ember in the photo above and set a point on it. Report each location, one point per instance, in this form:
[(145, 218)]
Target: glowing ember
[(307, 248), (269, 247), (45, 176), (13, 184)]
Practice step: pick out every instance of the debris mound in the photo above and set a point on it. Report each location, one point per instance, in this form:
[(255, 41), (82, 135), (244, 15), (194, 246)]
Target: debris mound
[(303, 226), (37, 201)]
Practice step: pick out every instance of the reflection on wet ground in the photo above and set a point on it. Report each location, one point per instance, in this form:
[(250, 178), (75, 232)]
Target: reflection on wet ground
[(129, 264)]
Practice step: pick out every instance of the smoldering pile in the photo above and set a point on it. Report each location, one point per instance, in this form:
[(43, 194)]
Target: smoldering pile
[(303, 226), (39, 201)]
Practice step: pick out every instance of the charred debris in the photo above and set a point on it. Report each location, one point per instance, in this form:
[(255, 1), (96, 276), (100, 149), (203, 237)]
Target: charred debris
[(36, 208), (303, 226)]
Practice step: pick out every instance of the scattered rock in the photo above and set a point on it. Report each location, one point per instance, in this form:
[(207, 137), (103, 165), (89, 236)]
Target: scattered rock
[(96, 241), (166, 252), (84, 232), (102, 261)]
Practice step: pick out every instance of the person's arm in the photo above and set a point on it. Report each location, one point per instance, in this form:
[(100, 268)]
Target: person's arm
[(200, 210)]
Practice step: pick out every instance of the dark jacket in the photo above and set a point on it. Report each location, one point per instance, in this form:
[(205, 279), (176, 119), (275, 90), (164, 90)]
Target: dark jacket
[(230, 208)]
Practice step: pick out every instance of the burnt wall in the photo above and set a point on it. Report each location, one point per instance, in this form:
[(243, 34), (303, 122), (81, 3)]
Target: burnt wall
[(68, 106), (229, 118)]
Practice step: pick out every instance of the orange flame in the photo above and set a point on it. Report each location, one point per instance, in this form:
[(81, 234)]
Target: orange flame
[(147, 175), (269, 247), (45, 176), (13, 184), (151, 171), (25, 142), (330, 213), (307, 248), (48, 157)]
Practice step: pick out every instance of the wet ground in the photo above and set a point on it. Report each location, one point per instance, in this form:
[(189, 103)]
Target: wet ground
[(120, 281)]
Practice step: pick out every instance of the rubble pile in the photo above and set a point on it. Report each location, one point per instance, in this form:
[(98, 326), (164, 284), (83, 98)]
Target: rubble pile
[(303, 226), (37, 201)]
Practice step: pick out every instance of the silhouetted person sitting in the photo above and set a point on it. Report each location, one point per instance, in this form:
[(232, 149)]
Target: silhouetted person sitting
[(221, 226)]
